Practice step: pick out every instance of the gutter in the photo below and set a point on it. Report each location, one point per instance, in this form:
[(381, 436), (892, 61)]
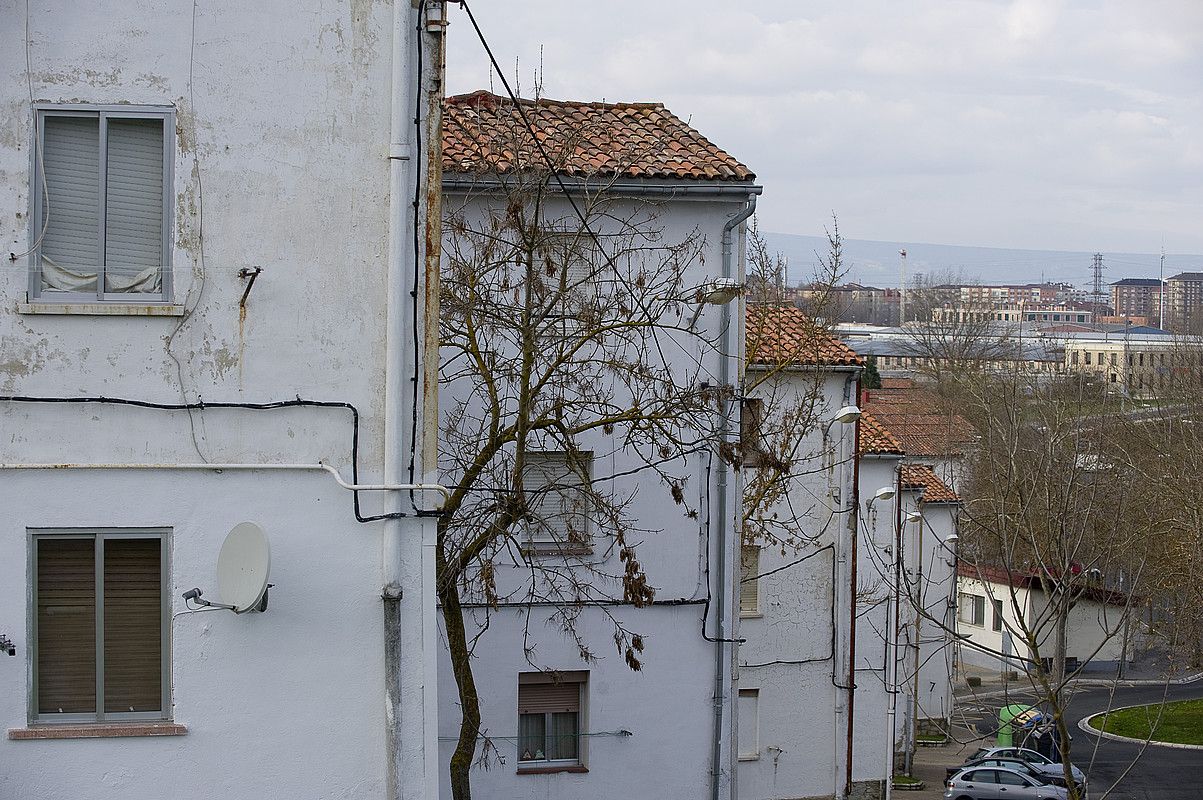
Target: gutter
[(854, 535), (722, 658), (465, 184), (892, 643)]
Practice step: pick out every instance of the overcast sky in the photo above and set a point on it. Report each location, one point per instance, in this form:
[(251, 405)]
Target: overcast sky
[(1032, 124)]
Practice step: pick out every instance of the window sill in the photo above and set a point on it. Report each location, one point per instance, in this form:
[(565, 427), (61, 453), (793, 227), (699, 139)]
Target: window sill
[(105, 309), (102, 730), (751, 614), (552, 549), (577, 768), (750, 758)]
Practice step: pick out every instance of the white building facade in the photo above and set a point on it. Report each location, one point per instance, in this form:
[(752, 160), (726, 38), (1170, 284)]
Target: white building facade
[(209, 210), (927, 608), (996, 609), (797, 664), (555, 723)]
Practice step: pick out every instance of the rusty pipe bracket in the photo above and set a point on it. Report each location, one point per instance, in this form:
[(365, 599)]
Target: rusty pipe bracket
[(244, 273)]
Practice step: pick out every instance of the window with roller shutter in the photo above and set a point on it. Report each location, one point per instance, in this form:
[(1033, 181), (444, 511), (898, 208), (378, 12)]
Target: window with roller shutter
[(101, 200), (557, 500), (100, 626), (749, 584), (549, 718)]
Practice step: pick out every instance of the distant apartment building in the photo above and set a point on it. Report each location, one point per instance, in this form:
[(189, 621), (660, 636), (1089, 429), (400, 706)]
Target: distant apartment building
[(1136, 297), (849, 302), (1012, 313), (1184, 302), (1138, 367), (1046, 294)]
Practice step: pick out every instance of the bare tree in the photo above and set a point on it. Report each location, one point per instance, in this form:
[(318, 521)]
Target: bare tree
[(951, 337), (568, 334), (783, 395), (1050, 514)]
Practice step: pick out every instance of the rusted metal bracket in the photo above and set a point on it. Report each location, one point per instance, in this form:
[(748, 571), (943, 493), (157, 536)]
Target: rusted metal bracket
[(252, 273)]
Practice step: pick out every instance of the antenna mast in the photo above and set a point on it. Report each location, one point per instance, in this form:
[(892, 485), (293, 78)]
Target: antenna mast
[(1161, 293), (1097, 285)]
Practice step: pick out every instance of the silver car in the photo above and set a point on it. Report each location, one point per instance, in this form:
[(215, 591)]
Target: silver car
[(996, 783), (1037, 760)]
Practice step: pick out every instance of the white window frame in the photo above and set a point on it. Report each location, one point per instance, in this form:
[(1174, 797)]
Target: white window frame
[(37, 205), (581, 680), (969, 606), (100, 535), (749, 751), (537, 540)]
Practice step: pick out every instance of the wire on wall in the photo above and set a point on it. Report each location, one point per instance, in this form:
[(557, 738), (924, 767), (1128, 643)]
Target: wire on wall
[(202, 405)]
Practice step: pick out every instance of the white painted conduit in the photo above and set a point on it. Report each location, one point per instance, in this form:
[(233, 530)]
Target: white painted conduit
[(357, 487)]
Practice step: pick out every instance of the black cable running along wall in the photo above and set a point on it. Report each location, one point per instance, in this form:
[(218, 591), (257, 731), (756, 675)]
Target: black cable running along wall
[(202, 405)]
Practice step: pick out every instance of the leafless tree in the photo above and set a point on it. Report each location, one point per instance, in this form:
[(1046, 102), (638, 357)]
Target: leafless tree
[(567, 335), (783, 396)]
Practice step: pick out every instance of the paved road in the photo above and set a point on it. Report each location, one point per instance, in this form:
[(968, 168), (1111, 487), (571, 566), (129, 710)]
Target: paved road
[(1159, 773)]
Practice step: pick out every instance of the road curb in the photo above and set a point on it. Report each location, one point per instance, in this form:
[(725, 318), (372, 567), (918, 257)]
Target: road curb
[(1084, 725), (961, 693)]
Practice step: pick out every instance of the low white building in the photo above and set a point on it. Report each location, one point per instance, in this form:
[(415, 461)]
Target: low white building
[(562, 712), (201, 310), (997, 607)]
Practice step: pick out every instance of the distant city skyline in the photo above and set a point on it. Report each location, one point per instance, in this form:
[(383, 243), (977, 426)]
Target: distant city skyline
[(876, 263), (1045, 124)]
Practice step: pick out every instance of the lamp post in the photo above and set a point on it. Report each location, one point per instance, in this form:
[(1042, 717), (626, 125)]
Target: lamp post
[(846, 415)]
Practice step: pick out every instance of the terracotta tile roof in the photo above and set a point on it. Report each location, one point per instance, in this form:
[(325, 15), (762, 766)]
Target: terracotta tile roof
[(921, 476), (484, 133), (786, 335), (873, 439), (913, 415)]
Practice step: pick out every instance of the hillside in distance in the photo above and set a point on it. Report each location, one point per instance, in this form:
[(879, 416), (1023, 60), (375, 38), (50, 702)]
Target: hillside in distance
[(876, 263)]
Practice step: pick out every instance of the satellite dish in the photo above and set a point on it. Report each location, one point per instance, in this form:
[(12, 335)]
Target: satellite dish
[(242, 568)]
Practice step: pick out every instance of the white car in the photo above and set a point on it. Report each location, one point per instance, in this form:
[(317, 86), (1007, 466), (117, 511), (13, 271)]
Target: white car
[(995, 783)]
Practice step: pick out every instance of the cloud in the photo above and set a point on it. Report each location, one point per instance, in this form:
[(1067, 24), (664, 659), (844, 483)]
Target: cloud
[(1032, 123)]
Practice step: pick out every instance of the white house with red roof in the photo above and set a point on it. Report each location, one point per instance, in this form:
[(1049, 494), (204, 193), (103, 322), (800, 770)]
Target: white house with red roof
[(621, 197), (816, 597), (998, 608)]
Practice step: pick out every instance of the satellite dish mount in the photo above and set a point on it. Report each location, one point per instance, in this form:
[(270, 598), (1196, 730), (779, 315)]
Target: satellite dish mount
[(242, 569)]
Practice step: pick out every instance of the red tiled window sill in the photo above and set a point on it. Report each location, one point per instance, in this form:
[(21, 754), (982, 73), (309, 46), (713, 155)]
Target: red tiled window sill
[(104, 730)]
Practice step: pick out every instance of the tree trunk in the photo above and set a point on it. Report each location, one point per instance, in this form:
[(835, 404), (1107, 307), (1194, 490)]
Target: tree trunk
[(461, 667)]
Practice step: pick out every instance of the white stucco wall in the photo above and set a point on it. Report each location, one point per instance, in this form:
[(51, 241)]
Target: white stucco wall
[(927, 615), (788, 651), (668, 706), (1093, 630), (281, 157)]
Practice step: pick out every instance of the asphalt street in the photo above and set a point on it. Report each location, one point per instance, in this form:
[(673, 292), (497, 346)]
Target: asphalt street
[(1118, 770)]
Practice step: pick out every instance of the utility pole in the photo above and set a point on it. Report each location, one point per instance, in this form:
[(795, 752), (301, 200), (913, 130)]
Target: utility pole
[(901, 287)]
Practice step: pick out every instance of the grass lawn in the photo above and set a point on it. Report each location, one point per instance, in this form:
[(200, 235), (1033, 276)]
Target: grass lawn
[(1180, 722)]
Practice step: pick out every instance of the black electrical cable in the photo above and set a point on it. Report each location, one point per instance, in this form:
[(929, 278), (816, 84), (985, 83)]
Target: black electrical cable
[(201, 405), (706, 601), (555, 173), (417, 162)]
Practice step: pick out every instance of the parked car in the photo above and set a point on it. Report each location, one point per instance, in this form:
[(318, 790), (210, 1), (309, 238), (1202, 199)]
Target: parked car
[(1020, 766), (996, 783), (1037, 760)]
